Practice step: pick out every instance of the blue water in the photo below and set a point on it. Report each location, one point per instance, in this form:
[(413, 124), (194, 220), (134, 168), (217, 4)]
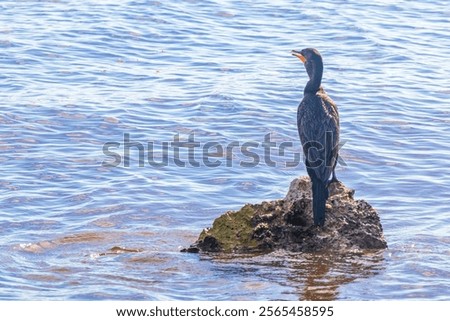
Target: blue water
[(76, 75)]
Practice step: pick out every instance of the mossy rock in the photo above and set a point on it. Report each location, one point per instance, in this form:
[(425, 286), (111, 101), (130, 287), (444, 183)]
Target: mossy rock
[(287, 224), (231, 231)]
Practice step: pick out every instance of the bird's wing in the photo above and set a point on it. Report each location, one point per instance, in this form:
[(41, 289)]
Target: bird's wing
[(332, 126), (318, 126)]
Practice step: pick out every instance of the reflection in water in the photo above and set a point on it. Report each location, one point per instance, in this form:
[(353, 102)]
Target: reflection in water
[(308, 276), (322, 275)]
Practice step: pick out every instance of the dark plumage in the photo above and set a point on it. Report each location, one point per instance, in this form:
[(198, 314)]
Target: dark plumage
[(318, 128)]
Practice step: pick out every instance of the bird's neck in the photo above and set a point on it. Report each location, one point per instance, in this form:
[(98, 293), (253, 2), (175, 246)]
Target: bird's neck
[(315, 78), (312, 87)]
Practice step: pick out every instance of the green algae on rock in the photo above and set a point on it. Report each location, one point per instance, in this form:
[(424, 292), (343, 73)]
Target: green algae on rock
[(287, 224), (229, 230)]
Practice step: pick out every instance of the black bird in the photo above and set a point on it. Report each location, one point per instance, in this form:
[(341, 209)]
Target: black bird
[(318, 128)]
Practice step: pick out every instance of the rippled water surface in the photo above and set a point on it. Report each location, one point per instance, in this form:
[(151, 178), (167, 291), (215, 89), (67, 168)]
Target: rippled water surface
[(78, 74)]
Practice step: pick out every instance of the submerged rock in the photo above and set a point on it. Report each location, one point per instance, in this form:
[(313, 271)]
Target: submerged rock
[(288, 224)]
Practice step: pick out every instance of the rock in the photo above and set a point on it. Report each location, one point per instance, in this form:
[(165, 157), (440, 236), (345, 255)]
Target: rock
[(288, 224)]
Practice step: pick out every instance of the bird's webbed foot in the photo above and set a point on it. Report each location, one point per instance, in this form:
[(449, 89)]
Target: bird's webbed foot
[(333, 179)]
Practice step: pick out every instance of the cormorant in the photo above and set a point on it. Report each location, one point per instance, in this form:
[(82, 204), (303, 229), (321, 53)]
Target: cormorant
[(318, 128)]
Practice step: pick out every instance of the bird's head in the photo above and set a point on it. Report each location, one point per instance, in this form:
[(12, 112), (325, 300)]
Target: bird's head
[(312, 60)]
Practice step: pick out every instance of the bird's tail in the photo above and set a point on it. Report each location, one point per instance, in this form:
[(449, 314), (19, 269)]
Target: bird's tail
[(320, 196)]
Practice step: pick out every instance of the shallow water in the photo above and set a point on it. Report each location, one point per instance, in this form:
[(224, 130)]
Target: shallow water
[(77, 75)]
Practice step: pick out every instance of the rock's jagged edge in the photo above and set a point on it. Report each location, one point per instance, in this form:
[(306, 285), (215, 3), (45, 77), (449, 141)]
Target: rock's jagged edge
[(287, 224)]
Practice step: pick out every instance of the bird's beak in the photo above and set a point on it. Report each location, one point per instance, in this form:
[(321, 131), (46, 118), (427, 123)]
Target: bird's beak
[(298, 55)]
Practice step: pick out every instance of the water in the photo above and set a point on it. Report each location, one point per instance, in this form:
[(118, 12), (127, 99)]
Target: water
[(76, 75)]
